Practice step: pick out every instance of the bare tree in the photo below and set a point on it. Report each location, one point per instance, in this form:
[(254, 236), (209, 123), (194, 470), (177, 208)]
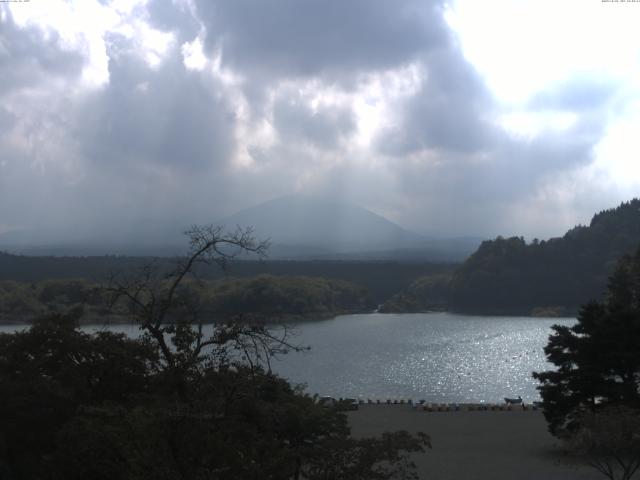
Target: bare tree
[(610, 440), (170, 314)]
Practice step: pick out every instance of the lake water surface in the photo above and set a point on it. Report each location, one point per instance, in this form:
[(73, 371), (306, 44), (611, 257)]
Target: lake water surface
[(439, 357)]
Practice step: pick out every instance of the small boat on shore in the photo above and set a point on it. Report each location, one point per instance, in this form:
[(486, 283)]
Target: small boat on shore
[(513, 401)]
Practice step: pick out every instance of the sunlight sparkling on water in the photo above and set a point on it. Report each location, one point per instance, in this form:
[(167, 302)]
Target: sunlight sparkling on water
[(439, 357)]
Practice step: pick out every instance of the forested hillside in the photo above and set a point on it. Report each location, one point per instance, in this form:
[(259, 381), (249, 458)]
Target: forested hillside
[(264, 297), (508, 274), (552, 277), (382, 279), (428, 293), (504, 276)]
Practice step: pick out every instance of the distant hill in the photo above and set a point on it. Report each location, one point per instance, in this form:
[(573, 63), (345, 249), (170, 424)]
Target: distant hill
[(323, 224), (381, 278), (300, 227), (146, 239), (510, 276), (306, 227)]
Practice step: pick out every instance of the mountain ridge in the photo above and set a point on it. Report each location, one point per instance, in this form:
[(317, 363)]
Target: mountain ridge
[(316, 221), (302, 226), (555, 276), (299, 227)]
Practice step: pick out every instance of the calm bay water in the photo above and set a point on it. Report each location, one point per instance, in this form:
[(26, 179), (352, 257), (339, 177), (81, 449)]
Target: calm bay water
[(439, 357)]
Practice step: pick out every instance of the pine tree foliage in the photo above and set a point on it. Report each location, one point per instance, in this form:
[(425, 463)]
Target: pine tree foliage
[(598, 359)]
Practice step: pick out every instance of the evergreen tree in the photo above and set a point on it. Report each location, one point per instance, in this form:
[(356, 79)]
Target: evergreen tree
[(597, 359)]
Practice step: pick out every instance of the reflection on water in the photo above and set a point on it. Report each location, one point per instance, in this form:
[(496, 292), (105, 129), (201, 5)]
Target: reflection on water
[(439, 357)]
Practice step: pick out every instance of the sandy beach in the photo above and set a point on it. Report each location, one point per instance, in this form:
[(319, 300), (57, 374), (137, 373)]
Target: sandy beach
[(470, 445)]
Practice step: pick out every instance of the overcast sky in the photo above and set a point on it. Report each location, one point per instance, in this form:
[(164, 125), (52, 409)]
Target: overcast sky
[(451, 118)]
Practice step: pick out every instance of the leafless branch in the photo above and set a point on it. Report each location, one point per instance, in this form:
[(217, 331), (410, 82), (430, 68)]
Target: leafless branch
[(154, 296)]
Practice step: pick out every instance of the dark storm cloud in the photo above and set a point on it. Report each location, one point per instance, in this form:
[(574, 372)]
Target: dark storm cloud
[(518, 166), (157, 144), (29, 56), (451, 111), (31, 59), (149, 147), (168, 15), (481, 191), (452, 116), (505, 169), (295, 121), (448, 147), (289, 38), (164, 115)]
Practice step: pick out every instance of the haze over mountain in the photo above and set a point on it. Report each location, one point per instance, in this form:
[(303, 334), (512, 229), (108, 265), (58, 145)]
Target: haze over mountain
[(322, 222), (313, 226), (297, 226), (147, 238)]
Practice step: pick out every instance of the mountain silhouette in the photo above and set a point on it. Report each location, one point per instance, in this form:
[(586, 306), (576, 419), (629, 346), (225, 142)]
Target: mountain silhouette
[(320, 223)]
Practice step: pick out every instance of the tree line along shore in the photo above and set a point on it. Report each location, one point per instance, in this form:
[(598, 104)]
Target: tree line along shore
[(267, 297), (505, 276)]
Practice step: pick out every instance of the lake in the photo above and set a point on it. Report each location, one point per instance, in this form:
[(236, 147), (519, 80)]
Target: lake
[(439, 357)]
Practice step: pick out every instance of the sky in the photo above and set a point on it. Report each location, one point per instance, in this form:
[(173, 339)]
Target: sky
[(451, 118)]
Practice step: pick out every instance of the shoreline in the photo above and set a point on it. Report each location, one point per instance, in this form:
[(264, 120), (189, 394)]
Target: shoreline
[(91, 318)]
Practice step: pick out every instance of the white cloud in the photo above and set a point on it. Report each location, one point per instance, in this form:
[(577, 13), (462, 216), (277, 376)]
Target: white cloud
[(618, 153), (194, 57), (533, 124), (523, 47)]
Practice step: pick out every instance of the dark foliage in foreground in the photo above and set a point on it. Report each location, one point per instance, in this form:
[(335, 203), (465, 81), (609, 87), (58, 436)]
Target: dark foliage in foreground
[(597, 359), (179, 403), (610, 440), (102, 406)]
